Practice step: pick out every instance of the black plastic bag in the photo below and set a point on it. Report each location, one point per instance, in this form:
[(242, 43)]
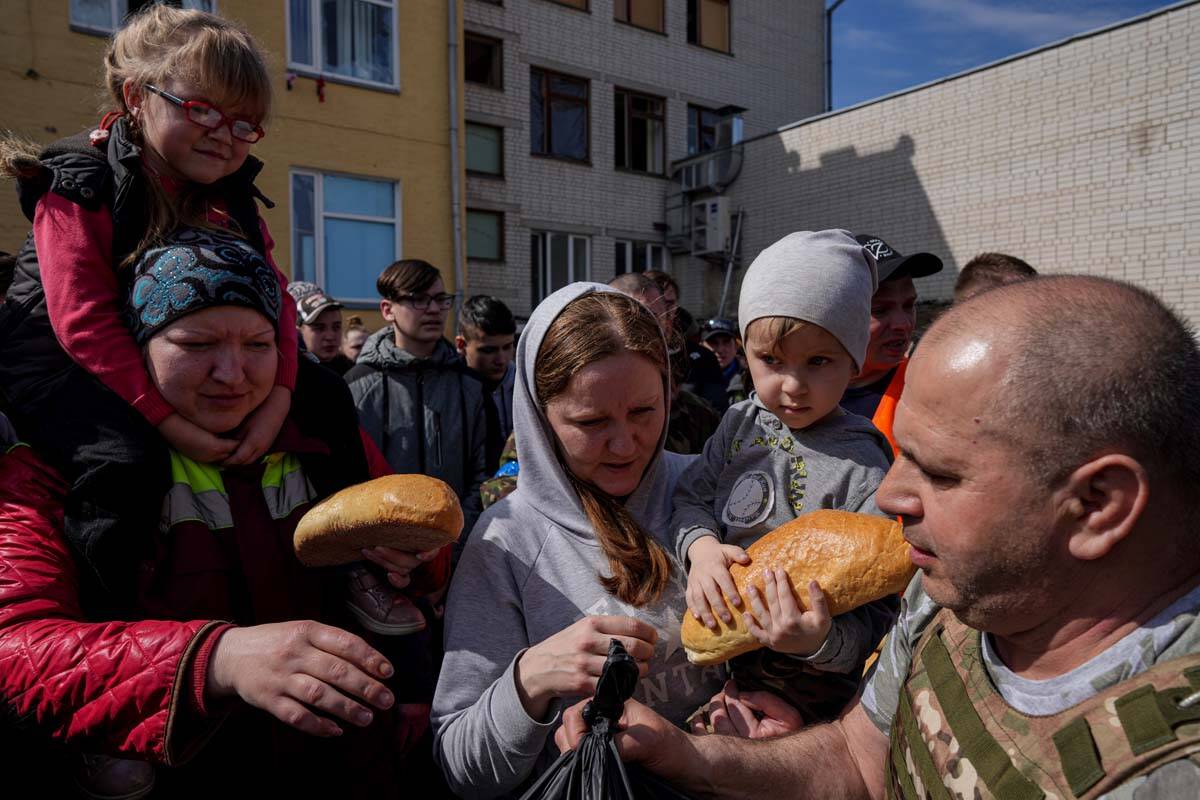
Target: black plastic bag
[(593, 771)]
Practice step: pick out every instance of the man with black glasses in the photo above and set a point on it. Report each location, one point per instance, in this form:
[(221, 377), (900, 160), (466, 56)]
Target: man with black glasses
[(414, 394)]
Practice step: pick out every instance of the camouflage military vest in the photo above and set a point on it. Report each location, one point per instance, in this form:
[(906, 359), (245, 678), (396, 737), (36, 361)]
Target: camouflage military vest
[(954, 736)]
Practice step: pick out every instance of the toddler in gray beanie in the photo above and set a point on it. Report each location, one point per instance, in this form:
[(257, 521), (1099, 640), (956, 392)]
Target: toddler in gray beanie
[(824, 278), (805, 316)]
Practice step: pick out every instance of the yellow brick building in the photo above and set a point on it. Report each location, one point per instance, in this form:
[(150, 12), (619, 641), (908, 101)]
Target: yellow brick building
[(358, 178)]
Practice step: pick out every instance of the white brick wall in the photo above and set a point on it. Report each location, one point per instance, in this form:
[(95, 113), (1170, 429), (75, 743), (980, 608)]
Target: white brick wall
[(775, 72), (1082, 157)]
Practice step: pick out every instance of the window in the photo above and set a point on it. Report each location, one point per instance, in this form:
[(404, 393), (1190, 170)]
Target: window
[(559, 259), (484, 61), (702, 130), (582, 5), (354, 39), (345, 231), (105, 16), (485, 235), (558, 115), (640, 256), (485, 149), (708, 24), (646, 14), (641, 144)]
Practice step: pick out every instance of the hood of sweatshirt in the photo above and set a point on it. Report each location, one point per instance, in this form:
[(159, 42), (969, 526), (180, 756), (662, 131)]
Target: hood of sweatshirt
[(380, 351), (544, 485)]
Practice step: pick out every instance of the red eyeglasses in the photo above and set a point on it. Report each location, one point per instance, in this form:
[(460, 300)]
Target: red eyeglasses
[(210, 117)]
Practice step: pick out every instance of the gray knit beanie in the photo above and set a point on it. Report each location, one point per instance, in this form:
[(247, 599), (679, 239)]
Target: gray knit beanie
[(825, 278)]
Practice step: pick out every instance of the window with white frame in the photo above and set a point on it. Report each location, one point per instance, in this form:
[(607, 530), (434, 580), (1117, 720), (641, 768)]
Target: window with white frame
[(559, 259), (345, 231), (640, 256), (105, 16), (353, 39)]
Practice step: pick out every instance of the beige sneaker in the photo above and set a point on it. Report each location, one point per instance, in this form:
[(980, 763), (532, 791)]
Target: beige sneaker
[(108, 778), (379, 607)]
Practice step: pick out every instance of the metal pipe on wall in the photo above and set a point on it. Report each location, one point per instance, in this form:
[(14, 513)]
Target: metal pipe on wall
[(455, 176), (829, 53)]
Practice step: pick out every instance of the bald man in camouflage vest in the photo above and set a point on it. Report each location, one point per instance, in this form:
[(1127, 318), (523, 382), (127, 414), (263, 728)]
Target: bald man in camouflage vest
[(1049, 646)]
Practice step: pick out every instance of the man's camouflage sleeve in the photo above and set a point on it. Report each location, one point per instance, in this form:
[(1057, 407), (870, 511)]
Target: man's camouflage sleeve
[(881, 695)]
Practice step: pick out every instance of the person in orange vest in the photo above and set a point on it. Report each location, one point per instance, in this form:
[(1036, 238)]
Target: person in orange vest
[(876, 390)]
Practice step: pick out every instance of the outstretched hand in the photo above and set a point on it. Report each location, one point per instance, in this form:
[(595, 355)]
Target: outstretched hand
[(305, 674), (748, 715)]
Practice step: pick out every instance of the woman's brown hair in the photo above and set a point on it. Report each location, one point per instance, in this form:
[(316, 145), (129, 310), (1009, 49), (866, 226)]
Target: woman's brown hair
[(591, 328), (155, 45)]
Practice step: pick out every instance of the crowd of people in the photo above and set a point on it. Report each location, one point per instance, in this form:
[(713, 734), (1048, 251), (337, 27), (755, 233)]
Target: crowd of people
[(172, 406)]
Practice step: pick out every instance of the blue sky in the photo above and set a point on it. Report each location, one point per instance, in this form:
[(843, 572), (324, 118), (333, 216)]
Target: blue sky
[(881, 46)]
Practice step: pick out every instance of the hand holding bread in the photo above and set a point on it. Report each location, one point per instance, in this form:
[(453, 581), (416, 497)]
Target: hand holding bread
[(412, 513), (856, 558)]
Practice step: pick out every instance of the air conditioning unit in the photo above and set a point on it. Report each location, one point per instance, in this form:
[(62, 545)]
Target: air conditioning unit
[(710, 226)]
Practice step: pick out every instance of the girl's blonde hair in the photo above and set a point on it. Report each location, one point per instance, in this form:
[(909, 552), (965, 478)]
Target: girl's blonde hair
[(591, 328), (218, 56)]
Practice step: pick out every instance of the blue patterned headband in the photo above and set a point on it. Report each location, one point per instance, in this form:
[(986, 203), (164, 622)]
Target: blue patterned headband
[(198, 269)]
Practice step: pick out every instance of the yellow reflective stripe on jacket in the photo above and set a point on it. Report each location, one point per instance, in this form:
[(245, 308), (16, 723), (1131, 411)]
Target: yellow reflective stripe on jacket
[(198, 491), (285, 487)]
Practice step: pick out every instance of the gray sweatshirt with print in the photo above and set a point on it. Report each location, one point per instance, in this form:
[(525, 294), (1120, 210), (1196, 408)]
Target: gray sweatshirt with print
[(756, 474), (532, 568)]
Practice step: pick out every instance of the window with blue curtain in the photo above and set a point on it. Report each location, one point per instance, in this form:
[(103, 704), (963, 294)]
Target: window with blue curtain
[(105, 16), (344, 232), (354, 39)]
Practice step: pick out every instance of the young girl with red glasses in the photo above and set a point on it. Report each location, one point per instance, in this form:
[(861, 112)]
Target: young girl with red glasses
[(191, 91)]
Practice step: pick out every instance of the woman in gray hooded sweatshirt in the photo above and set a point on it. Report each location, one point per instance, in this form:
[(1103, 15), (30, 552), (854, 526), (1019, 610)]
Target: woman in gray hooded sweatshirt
[(579, 554)]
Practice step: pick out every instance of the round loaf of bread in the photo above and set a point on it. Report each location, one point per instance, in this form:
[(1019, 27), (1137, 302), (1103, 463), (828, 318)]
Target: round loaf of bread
[(413, 513), (856, 558)]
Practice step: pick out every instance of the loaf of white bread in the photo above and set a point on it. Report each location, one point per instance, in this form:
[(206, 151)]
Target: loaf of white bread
[(856, 558), (413, 513)]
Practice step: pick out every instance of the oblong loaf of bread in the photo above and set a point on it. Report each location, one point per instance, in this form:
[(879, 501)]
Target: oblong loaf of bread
[(856, 558), (413, 513)]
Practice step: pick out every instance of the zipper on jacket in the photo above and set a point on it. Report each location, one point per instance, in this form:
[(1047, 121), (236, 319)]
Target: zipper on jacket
[(421, 420)]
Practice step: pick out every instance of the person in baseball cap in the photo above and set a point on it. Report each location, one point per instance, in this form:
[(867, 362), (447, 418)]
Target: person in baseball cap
[(874, 392), (720, 336), (319, 317)]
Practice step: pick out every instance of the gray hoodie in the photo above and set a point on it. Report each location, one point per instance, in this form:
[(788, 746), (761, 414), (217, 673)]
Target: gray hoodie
[(531, 569), (438, 392)]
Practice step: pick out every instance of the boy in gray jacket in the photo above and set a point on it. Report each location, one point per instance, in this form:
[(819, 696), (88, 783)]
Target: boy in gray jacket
[(804, 313), (415, 396)]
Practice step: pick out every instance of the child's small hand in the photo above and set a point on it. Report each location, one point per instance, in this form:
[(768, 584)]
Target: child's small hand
[(778, 622), (194, 442), (262, 426), (709, 581)]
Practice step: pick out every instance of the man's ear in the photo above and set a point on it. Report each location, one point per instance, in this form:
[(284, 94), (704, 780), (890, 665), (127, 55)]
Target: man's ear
[(1103, 501), (460, 344), (385, 308)]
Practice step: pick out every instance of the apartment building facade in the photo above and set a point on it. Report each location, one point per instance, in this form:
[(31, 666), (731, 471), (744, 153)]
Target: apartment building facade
[(1081, 156), (583, 118), (357, 153)]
